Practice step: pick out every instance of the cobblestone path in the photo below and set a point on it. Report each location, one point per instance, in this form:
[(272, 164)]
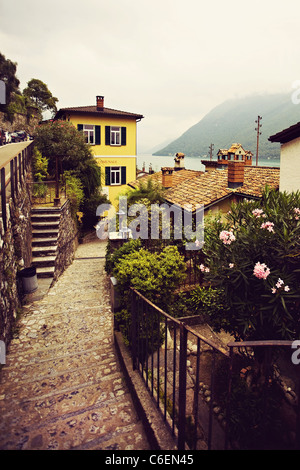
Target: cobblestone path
[(61, 386)]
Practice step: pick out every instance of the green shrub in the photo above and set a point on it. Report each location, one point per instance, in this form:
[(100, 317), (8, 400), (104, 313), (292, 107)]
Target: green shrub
[(112, 258), (154, 275), (74, 190)]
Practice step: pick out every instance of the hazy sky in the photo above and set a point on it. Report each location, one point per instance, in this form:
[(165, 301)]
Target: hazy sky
[(170, 60)]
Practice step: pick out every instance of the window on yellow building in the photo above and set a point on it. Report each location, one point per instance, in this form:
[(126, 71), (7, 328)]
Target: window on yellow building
[(115, 175), (115, 135), (92, 133), (89, 133)]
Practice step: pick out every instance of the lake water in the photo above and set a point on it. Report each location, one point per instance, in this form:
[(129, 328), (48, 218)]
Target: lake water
[(191, 163)]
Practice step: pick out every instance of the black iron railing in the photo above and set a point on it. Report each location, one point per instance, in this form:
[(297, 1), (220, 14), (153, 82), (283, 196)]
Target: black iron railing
[(193, 380), (45, 192)]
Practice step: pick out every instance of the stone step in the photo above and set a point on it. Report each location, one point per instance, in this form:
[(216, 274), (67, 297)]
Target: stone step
[(45, 232), (45, 210), (45, 217), (43, 261), (44, 225), (47, 271), (44, 241), (44, 250)]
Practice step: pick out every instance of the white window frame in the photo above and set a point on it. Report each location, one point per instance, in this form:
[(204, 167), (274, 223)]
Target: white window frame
[(115, 136), (89, 131), (115, 176)]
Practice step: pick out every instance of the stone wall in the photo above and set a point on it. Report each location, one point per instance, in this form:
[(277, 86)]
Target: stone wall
[(21, 122), (67, 240), (15, 253)]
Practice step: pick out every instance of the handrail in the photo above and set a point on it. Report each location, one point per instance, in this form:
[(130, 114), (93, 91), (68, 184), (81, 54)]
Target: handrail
[(183, 324), (6, 162), (166, 374), (11, 182)]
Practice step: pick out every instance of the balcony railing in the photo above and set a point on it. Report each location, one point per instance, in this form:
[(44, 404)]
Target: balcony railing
[(195, 382), (45, 192)]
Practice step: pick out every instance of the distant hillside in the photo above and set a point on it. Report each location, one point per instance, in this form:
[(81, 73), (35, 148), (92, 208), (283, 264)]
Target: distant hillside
[(234, 121)]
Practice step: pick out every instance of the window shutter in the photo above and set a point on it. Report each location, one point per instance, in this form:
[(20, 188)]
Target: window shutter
[(123, 174), (107, 135), (79, 127), (97, 135), (123, 136), (107, 176)]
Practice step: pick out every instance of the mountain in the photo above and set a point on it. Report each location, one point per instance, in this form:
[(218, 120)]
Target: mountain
[(234, 121)]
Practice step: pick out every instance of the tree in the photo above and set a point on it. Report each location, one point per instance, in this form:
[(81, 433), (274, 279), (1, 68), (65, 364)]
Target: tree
[(60, 139), (38, 93), (255, 257), (149, 190), (8, 71)]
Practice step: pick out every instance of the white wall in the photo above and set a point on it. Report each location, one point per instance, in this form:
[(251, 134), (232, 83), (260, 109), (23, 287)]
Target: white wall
[(290, 166)]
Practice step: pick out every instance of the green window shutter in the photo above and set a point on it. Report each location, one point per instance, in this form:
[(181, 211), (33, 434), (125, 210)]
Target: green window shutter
[(123, 136), (107, 176), (123, 174), (107, 135), (79, 127), (97, 135)]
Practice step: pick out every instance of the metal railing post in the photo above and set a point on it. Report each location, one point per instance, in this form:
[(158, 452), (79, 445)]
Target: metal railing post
[(182, 387), (133, 330), (3, 199)]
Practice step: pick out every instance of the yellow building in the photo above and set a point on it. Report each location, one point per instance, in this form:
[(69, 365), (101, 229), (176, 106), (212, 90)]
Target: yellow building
[(112, 135)]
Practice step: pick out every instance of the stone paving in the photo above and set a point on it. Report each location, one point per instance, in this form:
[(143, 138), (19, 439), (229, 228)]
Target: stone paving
[(62, 386)]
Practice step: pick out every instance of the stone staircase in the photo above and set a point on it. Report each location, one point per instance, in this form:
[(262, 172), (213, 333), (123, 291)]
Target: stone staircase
[(45, 229)]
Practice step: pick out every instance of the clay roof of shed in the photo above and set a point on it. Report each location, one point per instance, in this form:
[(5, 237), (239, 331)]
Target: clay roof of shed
[(178, 177), (195, 187), (212, 186)]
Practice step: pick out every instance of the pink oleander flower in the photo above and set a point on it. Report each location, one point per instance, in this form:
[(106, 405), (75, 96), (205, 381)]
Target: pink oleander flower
[(227, 237), (231, 265), (279, 284), (261, 270), (268, 225), (203, 268), (257, 212)]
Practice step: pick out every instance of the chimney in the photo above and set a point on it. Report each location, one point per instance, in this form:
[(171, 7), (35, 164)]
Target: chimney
[(167, 177), (235, 174), (100, 103), (179, 161)]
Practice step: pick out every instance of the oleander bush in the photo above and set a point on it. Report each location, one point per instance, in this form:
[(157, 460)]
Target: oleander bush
[(254, 258)]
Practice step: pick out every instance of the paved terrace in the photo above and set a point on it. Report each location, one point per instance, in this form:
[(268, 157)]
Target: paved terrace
[(62, 386)]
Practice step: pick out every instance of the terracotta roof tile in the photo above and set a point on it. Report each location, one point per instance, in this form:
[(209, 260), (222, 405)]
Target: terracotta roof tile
[(178, 177), (207, 188)]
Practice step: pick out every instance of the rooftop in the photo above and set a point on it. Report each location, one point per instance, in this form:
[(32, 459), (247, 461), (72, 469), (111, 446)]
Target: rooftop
[(196, 187), (96, 111), (288, 134)]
